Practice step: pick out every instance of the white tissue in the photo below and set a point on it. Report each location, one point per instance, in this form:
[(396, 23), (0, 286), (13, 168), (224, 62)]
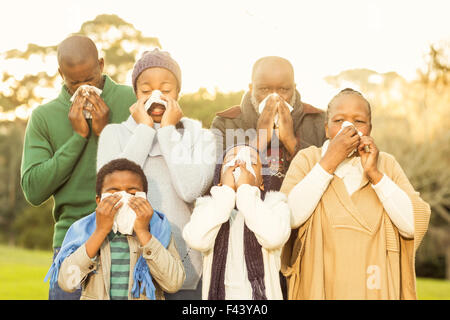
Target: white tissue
[(155, 97), (348, 124), (84, 91), (262, 105), (125, 217), (243, 155)]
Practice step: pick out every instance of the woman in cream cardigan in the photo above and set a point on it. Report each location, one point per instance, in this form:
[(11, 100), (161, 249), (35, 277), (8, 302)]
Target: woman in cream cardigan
[(357, 220)]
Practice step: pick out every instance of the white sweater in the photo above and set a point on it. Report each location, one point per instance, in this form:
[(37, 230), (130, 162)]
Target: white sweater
[(179, 166), (268, 219)]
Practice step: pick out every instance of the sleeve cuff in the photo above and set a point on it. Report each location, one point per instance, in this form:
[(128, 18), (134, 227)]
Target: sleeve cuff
[(226, 194), (384, 188), (85, 263), (246, 192), (152, 248), (321, 173), (168, 134), (75, 143)]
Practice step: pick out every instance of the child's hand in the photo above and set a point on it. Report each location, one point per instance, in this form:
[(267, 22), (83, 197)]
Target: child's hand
[(369, 160), (144, 213), (105, 212), (228, 178), (245, 177), (173, 113), (139, 114), (339, 148)]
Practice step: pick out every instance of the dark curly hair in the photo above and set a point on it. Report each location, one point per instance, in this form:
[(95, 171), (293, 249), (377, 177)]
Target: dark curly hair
[(119, 165)]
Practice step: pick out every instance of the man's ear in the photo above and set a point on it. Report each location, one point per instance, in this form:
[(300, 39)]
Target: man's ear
[(60, 73), (250, 87), (326, 130), (101, 63), (97, 200)]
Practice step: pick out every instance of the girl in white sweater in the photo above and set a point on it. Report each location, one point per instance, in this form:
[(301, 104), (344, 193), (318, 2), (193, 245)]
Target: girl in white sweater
[(240, 230), (175, 152)]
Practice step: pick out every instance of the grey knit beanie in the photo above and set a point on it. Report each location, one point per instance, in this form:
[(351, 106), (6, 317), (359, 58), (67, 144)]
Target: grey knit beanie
[(156, 59)]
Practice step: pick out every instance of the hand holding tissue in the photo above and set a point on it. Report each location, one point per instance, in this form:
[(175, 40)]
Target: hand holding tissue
[(125, 217), (262, 105), (84, 91), (348, 124), (243, 155)]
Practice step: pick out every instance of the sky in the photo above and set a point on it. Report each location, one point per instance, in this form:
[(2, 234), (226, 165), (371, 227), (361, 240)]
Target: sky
[(217, 42)]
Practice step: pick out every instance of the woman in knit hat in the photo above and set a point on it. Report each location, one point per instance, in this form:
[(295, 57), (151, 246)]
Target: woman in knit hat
[(240, 230), (175, 152), (358, 220)]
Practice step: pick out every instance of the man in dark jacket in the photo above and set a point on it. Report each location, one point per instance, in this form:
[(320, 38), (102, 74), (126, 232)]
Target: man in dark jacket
[(276, 131)]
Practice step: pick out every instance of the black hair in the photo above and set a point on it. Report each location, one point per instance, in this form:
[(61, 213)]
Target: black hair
[(347, 91), (119, 165)]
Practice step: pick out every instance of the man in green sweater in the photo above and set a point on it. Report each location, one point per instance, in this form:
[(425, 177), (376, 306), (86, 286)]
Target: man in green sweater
[(60, 148)]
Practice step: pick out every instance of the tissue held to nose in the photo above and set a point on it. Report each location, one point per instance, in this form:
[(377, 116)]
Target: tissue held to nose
[(262, 105), (84, 90), (155, 97), (348, 124), (244, 156), (125, 217)]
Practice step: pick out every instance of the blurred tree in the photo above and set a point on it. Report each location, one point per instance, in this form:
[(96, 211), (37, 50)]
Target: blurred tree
[(117, 40), (12, 200), (203, 105), (33, 228)]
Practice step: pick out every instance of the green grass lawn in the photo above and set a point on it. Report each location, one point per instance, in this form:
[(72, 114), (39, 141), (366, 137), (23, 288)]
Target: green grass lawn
[(22, 275)]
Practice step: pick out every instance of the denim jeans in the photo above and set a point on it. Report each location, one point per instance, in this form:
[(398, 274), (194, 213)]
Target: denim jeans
[(56, 293)]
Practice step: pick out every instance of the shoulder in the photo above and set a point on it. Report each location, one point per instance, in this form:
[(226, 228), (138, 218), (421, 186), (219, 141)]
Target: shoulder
[(387, 162), (307, 157), (42, 113), (315, 114), (230, 113), (195, 127), (46, 108), (114, 129), (124, 89), (309, 109), (191, 124), (227, 119)]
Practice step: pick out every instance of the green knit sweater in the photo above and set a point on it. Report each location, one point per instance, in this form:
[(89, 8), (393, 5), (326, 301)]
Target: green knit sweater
[(59, 162)]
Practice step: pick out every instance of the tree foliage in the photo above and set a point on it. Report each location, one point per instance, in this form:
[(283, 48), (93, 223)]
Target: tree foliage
[(117, 40)]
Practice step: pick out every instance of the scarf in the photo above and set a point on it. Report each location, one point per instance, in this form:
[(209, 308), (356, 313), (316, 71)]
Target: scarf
[(82, 229), (252, 252)]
